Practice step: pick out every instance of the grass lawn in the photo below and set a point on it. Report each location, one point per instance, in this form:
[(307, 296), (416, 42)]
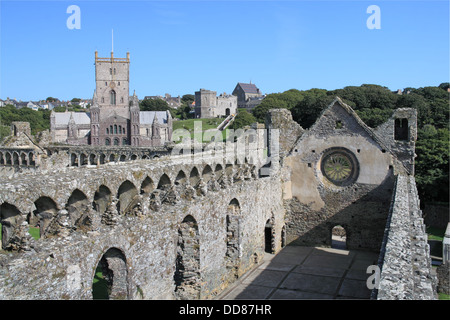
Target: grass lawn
[(443, 296), (206, 124), (435, 233), (33, 231), (99, 285)]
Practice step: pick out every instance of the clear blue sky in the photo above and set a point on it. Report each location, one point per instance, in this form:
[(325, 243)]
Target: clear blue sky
[(178, 47)]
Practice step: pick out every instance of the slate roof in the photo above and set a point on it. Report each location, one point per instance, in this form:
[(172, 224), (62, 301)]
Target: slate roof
[(248, 87), (146, 117), (78, 117)]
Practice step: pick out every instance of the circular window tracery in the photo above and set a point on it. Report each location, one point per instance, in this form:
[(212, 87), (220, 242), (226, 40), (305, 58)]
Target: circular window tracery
[(339, 166)]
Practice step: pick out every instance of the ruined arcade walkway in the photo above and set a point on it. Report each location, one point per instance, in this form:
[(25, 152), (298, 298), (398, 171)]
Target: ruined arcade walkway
[(306, 273)]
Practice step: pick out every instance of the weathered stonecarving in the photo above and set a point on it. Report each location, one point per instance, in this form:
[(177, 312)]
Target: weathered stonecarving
[(186, 226)]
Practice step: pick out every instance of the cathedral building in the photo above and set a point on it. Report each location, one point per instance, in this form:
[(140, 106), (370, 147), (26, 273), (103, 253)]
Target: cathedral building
[(114, 118)]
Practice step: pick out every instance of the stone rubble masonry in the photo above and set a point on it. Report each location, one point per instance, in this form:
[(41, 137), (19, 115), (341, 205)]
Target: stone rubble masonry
[(166, 224), (405, 261), (62, 264)]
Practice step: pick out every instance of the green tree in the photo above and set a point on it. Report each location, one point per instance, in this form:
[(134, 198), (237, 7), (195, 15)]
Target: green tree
[(154, 105), (374, 117), (242, 119), (271, 101), (432, 164), (309, 108)]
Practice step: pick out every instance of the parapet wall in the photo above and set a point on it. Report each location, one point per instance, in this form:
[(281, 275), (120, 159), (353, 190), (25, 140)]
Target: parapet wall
[(404, 260)]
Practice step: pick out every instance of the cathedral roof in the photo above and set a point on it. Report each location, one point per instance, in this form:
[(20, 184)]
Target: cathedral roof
[(146, 117), (78, 117)]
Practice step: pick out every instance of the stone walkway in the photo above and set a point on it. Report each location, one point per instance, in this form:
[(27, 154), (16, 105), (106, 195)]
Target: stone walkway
[(306, 273)]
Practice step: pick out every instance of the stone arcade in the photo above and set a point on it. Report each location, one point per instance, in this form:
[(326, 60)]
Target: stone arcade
[(172, 228)]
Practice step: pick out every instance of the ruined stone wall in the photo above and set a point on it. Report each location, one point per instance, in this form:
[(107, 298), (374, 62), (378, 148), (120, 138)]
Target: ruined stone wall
[(405, 261), (131, 214), (337, 173)]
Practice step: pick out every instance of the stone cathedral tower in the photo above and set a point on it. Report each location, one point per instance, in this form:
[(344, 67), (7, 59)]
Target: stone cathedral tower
[(112, 122)]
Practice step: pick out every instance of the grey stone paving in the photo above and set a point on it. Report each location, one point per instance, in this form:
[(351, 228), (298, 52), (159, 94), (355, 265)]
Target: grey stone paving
[(306, 273)]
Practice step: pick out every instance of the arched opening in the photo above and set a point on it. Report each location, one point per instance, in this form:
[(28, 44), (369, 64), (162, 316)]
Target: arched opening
[(78, 209), (181, 178), (31, 161), (233, 221), (92, 158), (8, 160), (339, 237), (46, 210), (147, 186), (111, 158), (83, 159), (116, 141), (9, 220), (102, 158), (187, 264), (122, 158), (133, 157), (16, 158), (194, 177), (268, 237), (207, 173), (23, 159), (401, 129), (74, 160), (111, 276), (227, 112), (218, 170), (107, 142), (112, 97), (102, 199), (164, 182), (127, 196), (2, 159)]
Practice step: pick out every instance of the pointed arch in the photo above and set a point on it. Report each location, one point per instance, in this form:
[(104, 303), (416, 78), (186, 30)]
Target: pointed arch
[(10, 217), (46, 210), (194, 177), (102, 199), (187, 276), (181, 178), (77, 207), (111, 276), (207, 173), (147, 186), (126, 194), (164, 182)]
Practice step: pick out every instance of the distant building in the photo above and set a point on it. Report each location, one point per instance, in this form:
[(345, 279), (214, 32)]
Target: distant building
[(208, 105), (114, 118), (248, 95), (173, 102)]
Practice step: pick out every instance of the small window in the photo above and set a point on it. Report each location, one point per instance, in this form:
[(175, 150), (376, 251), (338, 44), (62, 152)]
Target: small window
[(339, 124), (114, 70), (110, 71), (113, 97), (107, 142), (116, 141), (106, 83), (118, 83), (401, 129)]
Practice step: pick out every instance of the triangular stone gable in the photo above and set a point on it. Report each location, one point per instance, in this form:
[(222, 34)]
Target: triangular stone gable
[(340, 119)]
